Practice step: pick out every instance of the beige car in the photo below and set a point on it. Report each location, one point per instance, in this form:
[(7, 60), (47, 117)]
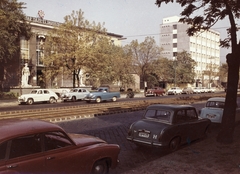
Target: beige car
[(34, 146)]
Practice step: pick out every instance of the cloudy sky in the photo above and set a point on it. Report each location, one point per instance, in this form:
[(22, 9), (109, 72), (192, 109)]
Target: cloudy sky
[(134, 19)]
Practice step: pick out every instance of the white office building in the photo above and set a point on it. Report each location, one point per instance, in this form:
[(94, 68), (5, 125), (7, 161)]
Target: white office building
[(203, 47)]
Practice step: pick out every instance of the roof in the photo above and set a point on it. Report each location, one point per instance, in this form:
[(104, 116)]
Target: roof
[(220, 99), (169, 107), (10, 128)]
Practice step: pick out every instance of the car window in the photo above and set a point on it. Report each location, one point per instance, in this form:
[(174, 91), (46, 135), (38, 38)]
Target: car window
[(191, 114), (39, 92), (25, 145), (33, 91), (3, 149), (84, 90), (55, 140), (46, 92), (215, 104), (150, 113), (158, 114), (79, 90)]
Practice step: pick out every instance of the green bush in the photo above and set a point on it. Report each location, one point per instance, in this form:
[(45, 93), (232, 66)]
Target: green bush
[(8, 95)]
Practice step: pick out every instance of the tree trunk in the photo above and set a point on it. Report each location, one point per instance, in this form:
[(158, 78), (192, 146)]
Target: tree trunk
[(228, 121)]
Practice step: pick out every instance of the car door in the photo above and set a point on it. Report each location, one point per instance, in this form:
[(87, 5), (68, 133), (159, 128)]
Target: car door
[(39, 96), (60, 154), (25, 155), (182, 127)]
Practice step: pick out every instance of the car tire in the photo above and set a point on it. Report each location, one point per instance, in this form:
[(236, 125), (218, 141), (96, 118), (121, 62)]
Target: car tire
[(114, 99), (30, 101), (174, 144), (52, 100), (100, 167), (74, 98), (98, 99)]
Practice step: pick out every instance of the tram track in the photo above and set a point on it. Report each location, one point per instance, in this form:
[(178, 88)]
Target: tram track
[(68, 113)]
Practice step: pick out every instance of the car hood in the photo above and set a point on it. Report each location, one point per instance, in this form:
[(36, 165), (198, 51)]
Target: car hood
[(27, 95), (85, 140), (149, 125)]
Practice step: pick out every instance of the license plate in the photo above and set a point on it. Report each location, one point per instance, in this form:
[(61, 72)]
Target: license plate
[(144, 135), (211, 116)]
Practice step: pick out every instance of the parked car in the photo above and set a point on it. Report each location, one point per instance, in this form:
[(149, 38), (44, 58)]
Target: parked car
[(214, 110), (34, 146), (197, 90), (103, 94), (75, 94), (168, 126), (187, 90), (38, 95), (157, 91), (174, 91)]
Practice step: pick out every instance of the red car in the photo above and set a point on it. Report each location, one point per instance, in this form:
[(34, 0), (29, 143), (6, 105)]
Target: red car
[(157, 91), (34, 146)]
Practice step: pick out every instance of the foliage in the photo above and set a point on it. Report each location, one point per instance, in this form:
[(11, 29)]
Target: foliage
[(213, 11), (78, 45), (143, 55), (13, 25)]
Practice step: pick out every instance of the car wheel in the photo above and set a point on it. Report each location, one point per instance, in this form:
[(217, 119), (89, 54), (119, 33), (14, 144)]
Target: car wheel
[(173, 145), (52, 100), (114, 99), (30, 101), (100, 167), (74, 98), (98, 99)]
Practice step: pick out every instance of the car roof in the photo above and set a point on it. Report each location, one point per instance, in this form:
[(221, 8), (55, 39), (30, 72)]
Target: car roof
[(169, 107), (220, 99), (10, 128)]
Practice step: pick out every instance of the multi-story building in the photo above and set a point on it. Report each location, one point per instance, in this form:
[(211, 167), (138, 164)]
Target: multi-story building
[(32, 52), (203, 47)]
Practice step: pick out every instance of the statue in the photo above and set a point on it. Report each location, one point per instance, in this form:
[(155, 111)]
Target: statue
[(25, 76)]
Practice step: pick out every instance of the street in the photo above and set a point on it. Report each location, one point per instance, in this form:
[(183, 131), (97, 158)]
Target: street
[(113, 129)]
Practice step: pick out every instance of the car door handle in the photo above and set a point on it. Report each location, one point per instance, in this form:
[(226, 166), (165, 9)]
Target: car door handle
[(50, 157), (12, 166)]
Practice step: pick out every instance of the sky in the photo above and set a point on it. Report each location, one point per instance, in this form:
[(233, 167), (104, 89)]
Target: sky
[(134, 19)]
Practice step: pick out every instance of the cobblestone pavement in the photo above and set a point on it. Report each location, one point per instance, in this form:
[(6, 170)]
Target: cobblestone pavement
[(113, 129)]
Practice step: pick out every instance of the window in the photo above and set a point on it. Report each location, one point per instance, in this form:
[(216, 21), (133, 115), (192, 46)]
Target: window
[(55, 140), (25, 145), (191, 114), (150, 113), (79, 90), (174, 26), (174, 45), (174, 54), (174, 36), (3, 148), (46, 92), (24, 45)]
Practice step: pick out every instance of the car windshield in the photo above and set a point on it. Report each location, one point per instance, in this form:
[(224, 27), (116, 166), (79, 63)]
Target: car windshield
[(161, 115), (33, 91), (215, 104), (73, 90)]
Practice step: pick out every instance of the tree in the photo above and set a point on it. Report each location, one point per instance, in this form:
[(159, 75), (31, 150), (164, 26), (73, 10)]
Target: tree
[(143, 55), (72, 45), (213, 11), (13, 25)]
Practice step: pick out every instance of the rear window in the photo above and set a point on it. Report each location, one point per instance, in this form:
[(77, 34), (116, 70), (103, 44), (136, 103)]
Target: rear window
[(161, 115), (215, 104)]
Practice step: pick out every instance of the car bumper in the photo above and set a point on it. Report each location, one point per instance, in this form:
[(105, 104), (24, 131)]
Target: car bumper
[(146, 143)]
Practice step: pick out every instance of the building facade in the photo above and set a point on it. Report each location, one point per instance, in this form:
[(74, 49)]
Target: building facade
[(203, 47), (32, 53)]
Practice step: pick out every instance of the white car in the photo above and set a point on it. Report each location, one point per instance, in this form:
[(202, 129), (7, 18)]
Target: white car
[(214, 110), (38, 95), (197, 90), (174, 91), (75, 94)]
